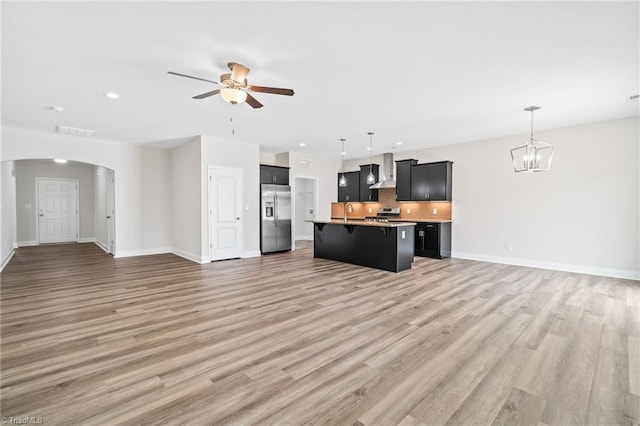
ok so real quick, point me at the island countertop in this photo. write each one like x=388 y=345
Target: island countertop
x=412 y=220
x=357 y=222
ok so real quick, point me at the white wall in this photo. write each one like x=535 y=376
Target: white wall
x=26 y=196
x=268 y=158
x=222 y=153
x=127 y=160
x=156 y=224
x=582 y=215
x=7 y=211
x=186 y=205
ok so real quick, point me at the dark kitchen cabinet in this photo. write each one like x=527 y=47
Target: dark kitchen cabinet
x=351 y=192
x=431 y=181
x=403 y=179
x=367 y=194
x=274 y=174
x=433 y=239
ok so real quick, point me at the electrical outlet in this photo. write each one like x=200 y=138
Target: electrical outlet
x=408 y=211
x=435 y=211
x=369 y=209
x=509 y=246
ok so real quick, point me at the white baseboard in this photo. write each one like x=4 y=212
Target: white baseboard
x=102 y=245
x=304 y=238
x=87 y=240
x=189 y=256
x=252 y=253
x=7 y=259
x=580 y=269
x=142 y=252
x=27 y=243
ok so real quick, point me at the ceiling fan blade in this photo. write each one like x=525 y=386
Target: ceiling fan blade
x=273 y=90
x=253 y=102
x=206 y=95
x=238 y=72
x=195 y=78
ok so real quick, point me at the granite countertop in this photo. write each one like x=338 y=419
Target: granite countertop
x=413 y=220
x=356 y=222
x=422 y=219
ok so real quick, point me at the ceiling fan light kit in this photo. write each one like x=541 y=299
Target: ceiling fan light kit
x=533 y=156
x=233 y=96
x=235 y=88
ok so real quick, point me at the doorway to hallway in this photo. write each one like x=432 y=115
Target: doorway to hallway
x=306 y=206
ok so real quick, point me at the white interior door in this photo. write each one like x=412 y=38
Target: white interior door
x=57 y=210
x=225 y=213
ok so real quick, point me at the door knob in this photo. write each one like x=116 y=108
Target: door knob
x=238 y=218
x=108 y=217
x=41 y=215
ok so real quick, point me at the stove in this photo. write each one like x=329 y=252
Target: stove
x=384 y=214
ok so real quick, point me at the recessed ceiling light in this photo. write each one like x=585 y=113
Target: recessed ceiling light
x=112 y=95
x=57 y=108
x=303 y=144
x=343 y=153
x=60 y=160
x=398 y=143
x=368 y=148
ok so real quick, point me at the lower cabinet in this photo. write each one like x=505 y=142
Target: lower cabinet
x=433 y=239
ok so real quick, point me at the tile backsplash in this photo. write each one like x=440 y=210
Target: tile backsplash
x=408 y=209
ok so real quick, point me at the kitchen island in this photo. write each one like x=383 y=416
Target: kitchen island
x=381 y=245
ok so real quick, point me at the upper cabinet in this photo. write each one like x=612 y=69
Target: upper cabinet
x=367 y=194
x=431 y=181
x=403 y=179
x=351 y=192
x=274 y=174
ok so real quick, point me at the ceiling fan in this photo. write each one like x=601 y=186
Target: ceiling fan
x=234 y=87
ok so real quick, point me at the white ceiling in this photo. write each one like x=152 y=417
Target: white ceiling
x=423 y=73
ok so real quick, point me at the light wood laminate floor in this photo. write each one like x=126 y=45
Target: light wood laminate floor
x=287 y=339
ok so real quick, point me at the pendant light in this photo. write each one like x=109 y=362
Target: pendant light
x=371 y=179
x=533 y=156
x=343 y=179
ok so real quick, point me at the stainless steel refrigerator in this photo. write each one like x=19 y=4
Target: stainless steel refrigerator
x=275 y=228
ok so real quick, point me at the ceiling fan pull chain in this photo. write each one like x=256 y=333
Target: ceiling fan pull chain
x=233 y=130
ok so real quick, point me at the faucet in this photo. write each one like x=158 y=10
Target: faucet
x=347 y=207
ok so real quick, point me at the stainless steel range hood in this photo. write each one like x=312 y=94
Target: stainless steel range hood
x=386 y=173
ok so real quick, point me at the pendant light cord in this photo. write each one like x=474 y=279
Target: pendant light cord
x=343 y=141
x=370 y=152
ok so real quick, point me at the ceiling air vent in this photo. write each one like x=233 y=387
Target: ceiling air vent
x=74 y=131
